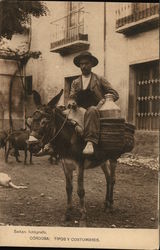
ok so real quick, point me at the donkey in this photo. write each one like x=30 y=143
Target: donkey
x=51 y=125
x=16 y=141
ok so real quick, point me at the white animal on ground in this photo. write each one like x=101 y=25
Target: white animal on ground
x=6 y=181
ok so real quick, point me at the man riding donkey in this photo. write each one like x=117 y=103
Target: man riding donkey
x=88 y=91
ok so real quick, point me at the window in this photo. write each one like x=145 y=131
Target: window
x=72 y=17
x=67 y=88
x=28 y=85
x=147 y=96
x=70 y=33
x=75 y=14
x=75 y=21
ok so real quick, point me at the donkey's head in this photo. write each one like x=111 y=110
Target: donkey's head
x=43 y=118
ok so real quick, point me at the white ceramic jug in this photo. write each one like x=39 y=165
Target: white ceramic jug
x=109 y=109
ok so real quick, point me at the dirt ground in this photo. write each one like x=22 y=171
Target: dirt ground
x=44 y=202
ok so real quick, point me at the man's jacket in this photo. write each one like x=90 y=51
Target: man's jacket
x=99 y=85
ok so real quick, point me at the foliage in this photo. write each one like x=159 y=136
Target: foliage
x=21 y=56
x=15 y=15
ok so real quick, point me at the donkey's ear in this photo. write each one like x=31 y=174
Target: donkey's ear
x=36 y=98
x=52 y=103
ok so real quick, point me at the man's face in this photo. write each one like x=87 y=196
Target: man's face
x=85 y=66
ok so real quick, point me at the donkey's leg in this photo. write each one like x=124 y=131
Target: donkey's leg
x=109 y=170
x=6 y=155
x=68 y=171
x=16 y=154
x=30 y=158
x=81 y=194
x=7 y=149
x=25 y=156
x=113 y=164
x=106 y=169
x=50 y=159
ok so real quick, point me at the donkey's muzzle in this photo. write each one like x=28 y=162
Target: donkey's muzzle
x=32 y=140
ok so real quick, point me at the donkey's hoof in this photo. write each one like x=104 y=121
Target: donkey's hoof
x=63 y=218
x=108 y=207
x=108 y=210
x=68 y=216
x=82 y=223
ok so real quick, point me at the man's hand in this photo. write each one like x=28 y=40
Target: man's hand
x=99 y=105
x=72 y=104
x=47 y=146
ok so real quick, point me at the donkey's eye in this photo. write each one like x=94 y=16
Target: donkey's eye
x=36 y=115
x=44 y=122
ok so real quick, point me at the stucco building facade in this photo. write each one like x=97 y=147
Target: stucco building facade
x=125 y=39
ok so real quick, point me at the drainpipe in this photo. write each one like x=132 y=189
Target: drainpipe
x=105 y=39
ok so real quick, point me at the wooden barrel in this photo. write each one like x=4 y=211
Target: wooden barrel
x=116 y=136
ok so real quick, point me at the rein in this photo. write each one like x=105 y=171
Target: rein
x=58 y=132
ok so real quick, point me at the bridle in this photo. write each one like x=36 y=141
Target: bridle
x=58 y=132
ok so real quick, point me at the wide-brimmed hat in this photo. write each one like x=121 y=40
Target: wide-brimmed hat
x=86 y=54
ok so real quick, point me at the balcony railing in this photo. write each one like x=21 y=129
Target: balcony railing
x=70 y=33
x=131 y=16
